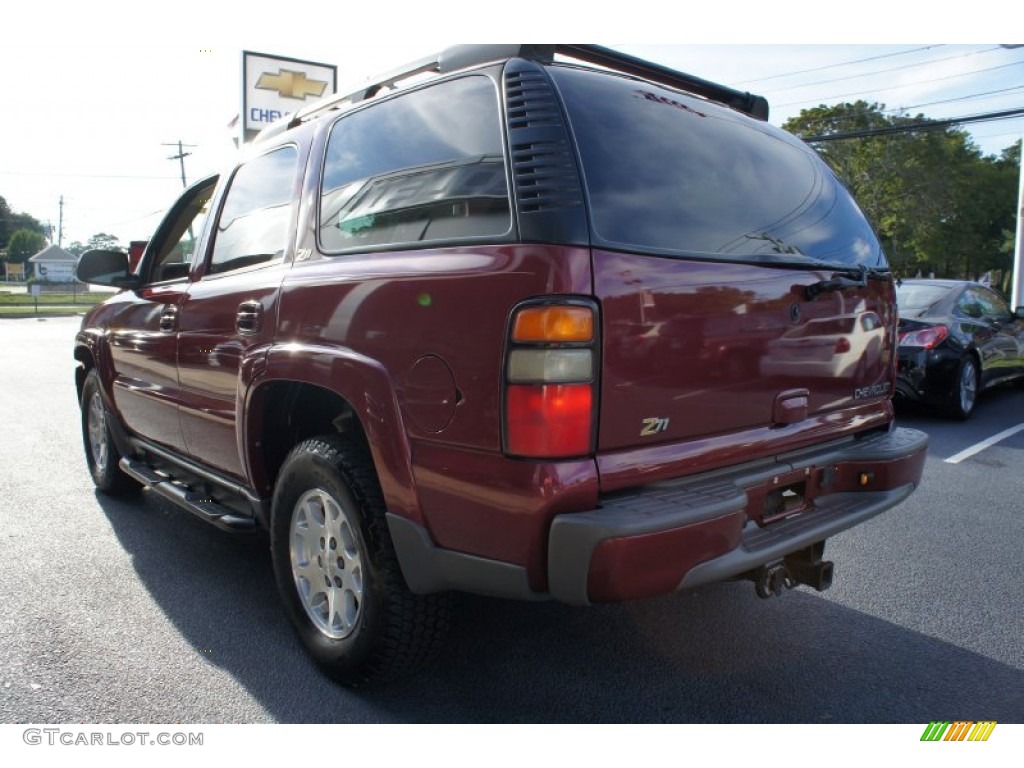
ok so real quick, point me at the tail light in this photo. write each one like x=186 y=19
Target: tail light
x=842 y=345
x=550 y=381
x=925 y=337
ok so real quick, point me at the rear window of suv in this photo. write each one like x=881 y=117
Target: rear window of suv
x=672 y=174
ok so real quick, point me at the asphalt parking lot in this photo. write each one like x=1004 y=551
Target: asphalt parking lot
x=132 y=611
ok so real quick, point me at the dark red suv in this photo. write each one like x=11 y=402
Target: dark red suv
x=510 y=330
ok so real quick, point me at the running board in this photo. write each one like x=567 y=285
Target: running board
x=198 y=504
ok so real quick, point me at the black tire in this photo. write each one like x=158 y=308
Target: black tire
x=101 y=454
x=964 y=396
x=362 y=624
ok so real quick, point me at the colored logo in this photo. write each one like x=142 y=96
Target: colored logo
x=291 y=85
x=958 y=731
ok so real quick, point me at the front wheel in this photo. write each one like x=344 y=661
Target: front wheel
x=965 y=389
x=337 y=571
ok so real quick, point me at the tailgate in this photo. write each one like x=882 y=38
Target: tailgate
x=695 y=349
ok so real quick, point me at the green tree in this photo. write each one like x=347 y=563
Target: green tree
x=937 y=204
x=5 y=223
x=23 y=245
x=103 y=242
x=11 y=222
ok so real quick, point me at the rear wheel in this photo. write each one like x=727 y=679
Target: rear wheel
x=965 y=389
x=337 y=571
x=101 y=454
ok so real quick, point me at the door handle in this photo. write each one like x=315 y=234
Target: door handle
x=169 y=318
x=249 y=319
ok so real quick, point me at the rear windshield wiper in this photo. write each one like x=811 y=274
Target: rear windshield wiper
x=846 y=278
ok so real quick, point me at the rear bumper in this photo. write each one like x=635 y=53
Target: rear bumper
x=926 y=376
x=696 y=530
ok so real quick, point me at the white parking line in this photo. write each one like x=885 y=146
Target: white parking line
x=979 y=447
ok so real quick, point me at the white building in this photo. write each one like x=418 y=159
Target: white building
x=55 y=264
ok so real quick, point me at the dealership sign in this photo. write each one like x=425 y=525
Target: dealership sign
x=274 y=86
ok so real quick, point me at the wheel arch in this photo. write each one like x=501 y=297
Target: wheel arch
x=304 y=391
x=86 y=362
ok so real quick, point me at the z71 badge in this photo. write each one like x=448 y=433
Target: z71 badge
x=653 y=426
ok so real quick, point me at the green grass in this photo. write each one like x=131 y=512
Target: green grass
x=23 y=300
x=28 y=311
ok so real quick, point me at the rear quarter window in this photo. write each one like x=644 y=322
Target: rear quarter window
x=670 y=173
x=425 y=166
x=910 y=297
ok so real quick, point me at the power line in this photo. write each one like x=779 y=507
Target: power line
x=929 y=125
x=841 y=64
x=956 y=98
x=930 y=62
x=82 y=175
x=901 y=85
x=899 y=111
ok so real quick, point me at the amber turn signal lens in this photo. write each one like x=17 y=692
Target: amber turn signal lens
x=556 y=323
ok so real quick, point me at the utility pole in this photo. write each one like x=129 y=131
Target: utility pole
x=60 y=224
x=1017 y=299
x=182 y=154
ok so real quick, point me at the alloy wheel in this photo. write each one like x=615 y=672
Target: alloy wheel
x=97 y=428
x=968 y=386
x=327 y=563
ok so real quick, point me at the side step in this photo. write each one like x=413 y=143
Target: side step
x=199 y=505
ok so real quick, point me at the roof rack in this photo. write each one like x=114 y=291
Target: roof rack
x=748 y=103
x=462 y=56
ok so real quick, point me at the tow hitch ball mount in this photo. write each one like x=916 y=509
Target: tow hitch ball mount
x=804 y=566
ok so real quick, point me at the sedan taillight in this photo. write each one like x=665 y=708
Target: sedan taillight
x=924 y=337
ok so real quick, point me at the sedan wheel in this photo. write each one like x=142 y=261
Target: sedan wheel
x=965 y=389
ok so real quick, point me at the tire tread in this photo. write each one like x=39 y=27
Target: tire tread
x=412 y=627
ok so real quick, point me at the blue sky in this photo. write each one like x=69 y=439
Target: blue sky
x=99 y=90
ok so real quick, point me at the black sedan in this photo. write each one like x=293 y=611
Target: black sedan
x=956 y=339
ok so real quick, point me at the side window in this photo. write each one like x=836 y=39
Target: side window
x=969 y=304
x=422 y=166
x=994 y=304
x=254 y=222
x=176 y=243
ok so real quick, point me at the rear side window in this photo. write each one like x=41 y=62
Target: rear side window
x=253 y=225
x=426 y=166
x=910 y=296
x=673 y=174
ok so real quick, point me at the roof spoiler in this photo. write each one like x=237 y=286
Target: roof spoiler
x=462 y=56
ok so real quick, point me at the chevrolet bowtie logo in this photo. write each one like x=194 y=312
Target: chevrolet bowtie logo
x=291 y=85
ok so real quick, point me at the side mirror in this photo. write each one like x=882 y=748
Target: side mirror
x=106 y=268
